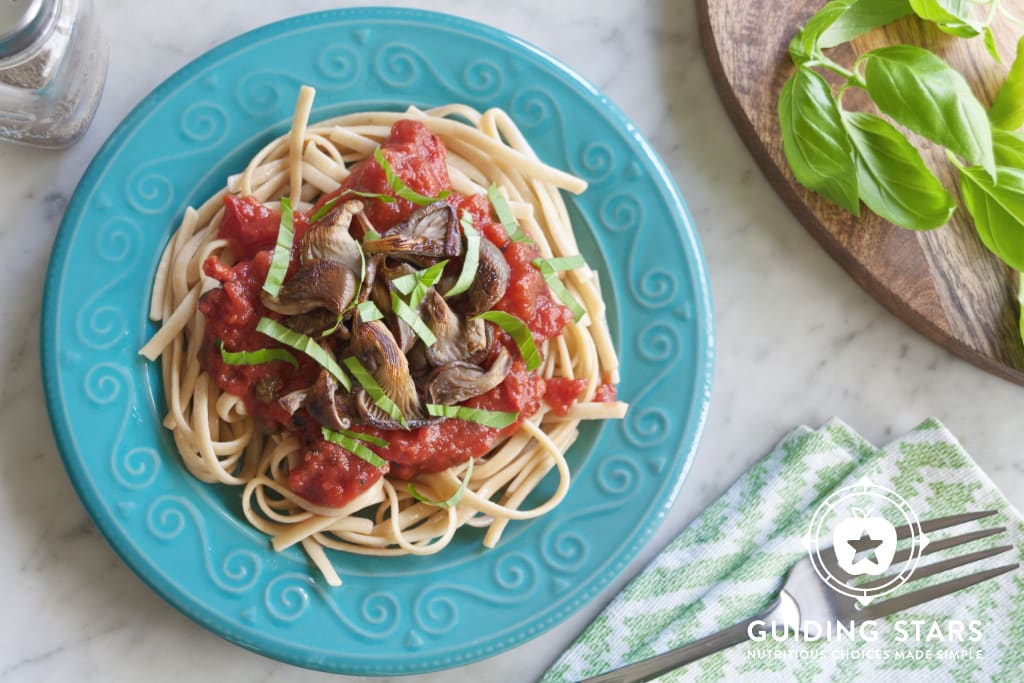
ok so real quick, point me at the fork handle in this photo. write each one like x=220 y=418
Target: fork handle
x=647 y=669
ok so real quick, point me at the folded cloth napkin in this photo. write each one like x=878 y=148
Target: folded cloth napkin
x=730 y=563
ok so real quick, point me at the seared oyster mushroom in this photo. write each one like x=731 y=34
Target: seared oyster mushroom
x=457 y=381
x=431 y=231
x=315 y=284
x=321 y=403
x=376 y=348
x=491 y=281
x=316 y=322
x=456 y=340
x=330 y=240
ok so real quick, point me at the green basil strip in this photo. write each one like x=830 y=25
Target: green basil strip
x=550 y=274
x=455 y=497
x=415 y=285
x=257 y=357
x=489 y=418
x=368 y=438
x=369 y=312
x=472 y=259
x=324 y=210
x=519 y=332
x=412 y=319
x=301 y=342
x=504 y=213
x=560 y=263
x=282 y=250
x=368 y=383
x=353 y=446
x=398 y=186
x=370 y=236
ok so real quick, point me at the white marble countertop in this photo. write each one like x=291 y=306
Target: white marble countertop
x=797 y=340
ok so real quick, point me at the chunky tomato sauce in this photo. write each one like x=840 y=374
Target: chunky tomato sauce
x=328 y=475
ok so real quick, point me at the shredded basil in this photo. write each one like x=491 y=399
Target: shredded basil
x=282 y=250
x=368 y=383
x=415 y=285
x=488 y=418
x=412 y=319
x=472 y=259
x=519 y=332
x=353 y=446
x=257 y=357
x=549 y=269
x=369 y=312
x=504 y=213
x=368 y=438
x=454 y=499
x=301 y=342
x=399 y=187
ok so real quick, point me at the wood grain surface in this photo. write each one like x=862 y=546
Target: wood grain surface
x=943 y=282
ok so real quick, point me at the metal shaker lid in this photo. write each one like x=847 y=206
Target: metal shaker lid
x=22 y=23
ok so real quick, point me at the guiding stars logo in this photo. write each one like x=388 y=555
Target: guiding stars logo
x=851 y=536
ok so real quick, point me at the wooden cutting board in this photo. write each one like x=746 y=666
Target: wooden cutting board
x=943 y=283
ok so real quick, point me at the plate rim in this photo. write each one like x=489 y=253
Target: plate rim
x=97 y=508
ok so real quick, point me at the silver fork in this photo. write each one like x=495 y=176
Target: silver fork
x=805 y=598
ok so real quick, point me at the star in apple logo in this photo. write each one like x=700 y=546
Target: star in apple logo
x=875 y=537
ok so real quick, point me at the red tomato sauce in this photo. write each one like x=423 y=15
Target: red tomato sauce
x=562 y=392
x=328 y=475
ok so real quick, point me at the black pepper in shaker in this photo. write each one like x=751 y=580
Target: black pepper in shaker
x=53 y=62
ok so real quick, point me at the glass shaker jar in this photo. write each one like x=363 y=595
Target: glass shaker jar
x=53 y=61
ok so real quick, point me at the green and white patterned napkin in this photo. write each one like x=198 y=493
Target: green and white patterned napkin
x=729 y=564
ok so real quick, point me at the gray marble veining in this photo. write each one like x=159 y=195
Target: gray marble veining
x=797 y=340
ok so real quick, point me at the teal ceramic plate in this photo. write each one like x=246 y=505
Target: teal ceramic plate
x=188 y=540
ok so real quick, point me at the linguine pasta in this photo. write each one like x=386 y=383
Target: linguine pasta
x=219 y=442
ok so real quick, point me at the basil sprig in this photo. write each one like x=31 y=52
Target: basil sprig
x=851 y=157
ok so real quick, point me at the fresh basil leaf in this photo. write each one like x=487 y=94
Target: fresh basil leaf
x=819 y=23
x=951 y=16
x=257 y=357
x=796 y=49
x=519 y=332
x=815 y=141
x=990 y=45
x=488 y=418
x=367 y=382
x=920 y=91
x=894 y=181
x=282 y=250
x=997 y=208
x=412 y=319
x=1008 y=109
x=471 y=259
x=863 y=16
x=1008 y=147
x=504 y=214
x=353 y=446
x=454 y=499
x=1020 y=302
x=301 y=342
